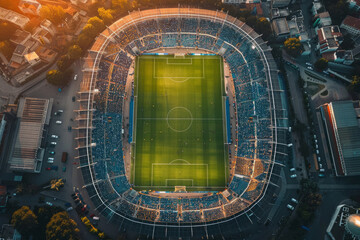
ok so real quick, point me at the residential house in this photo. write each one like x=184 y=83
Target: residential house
x=30 y=6
x=351 y=25
x=329 y=38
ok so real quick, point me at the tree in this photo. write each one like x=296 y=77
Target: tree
x=97 y=23
x=84 y=41
x=321 y=64
x=7 y=30
x=44 y=214
x=56 y=14
x=61 y=227
x=6 y=49
x=120 y=4
x=24 y=221
x=347 y=43
x=106 y=15
x=74 y=52
x=355 y=84
x=55 y=77
x=293 y=47
x=64 y=62
x=89 y=30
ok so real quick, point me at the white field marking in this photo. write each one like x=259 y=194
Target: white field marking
x=154 y=73
x=221 y=63
x=197 y=119
x=185 y=129
x=174 y=164
x=167 y=61
x=182 y=179
x=135 y=112
x=180 y=160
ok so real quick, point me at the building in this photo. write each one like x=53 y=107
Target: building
x=279 y=12
x=3 y=196
x=32 y=58
x=240 y=1
x=281 y=28
x=29 y=147
x=345 y=223
x=351 y=25
x=280 y=3
x=317 y=8
x=330 y=39
x=30 y=7
x=323 y=20
x=8 y=232
x=354 y=4
x=341 y=123
x=13 y=17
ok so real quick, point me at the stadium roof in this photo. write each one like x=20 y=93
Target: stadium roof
x=346 y=132
x=33 y=114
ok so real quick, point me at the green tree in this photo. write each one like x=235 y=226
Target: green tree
x=347 y=43
x=84 y=41
x=74 y=52
x=61 y=227
x=55 y=77
x=44 y=214
x=97 y=23
x=64 y=62
x=24 y=221
x=56 y=14
x=293 y=47
x=89 y=30
x=355 y=84
x=321 y=64
x=106 y=15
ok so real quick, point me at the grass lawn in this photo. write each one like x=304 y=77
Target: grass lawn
x=179 y=123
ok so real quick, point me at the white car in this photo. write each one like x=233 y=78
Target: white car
x=54 y=136
x=292 y=169
x=49 y=203
x=310 y=68
x=293 y=176
x=50 y=161
x=53 y=143
x=290 y=207
x=75 y=77
x=60 y=111
x=294 y=200
x=58 y=122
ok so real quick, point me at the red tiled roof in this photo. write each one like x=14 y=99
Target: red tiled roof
x=352 y=22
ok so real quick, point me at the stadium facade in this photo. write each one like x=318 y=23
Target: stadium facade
x=261 y=124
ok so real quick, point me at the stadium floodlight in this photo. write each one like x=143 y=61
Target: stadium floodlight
x=253 y=47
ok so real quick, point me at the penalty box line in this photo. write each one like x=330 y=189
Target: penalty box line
x=203 y=69
x=180 y=164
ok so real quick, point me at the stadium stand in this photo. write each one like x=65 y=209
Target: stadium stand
x=100 y=149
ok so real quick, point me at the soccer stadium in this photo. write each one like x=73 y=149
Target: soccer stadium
x=182 y=128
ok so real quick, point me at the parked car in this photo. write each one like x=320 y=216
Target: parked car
x=64 y=169
x=54 y=136
x=292 y=169
x=75 y=77
x=53 y=143
x=321 y=175
x=54 y=168
x=48 y=168
x=58 y=122
x=60 y=111
x=290 y=207
x=69 y=209
x=293 y=176
x=294 y=200
x=67 y=205
x=49 y=203
x=73 y=99
x=51 y=152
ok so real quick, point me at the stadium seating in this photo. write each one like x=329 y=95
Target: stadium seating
x=252 y=107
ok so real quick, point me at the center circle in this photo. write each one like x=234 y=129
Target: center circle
x=179 y=119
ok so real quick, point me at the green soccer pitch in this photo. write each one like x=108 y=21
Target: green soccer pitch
x=179 y=123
